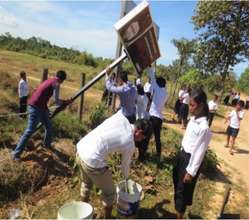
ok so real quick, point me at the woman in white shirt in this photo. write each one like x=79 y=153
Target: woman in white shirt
x=23 y=92
x=234 y=119
x=213 y=106
x=179 y=102
x=184 y=108
x=142 y=103
x=194 y=146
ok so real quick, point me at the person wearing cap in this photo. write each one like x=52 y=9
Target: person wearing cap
x=126 y=92
x=115 y=134
x=38 y=111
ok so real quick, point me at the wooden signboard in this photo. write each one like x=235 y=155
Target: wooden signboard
x=137 y=33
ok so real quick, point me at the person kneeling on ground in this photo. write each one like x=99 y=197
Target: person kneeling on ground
x=115 y=134
x=194 y=146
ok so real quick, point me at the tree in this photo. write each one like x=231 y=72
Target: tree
x=223 y=35
x=243 y=83
x=192 y=78
x=185 y=49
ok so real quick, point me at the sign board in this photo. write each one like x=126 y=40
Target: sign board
x=137 y=33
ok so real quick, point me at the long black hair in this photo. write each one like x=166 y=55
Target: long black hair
x=200 y=97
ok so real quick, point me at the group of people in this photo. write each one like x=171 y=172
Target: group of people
x=140 y=115
x=181 y=108
x=234 y=96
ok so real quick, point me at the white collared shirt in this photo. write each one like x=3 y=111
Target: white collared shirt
x=23 y=89
x=141 y=107
x=147 y=87
x=212 y=105
x=180 y=93
x=234 y=121
x=115 y=134
x=185 y=98
x=195 y=142
x=159 y=96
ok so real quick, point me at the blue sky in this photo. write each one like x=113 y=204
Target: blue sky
x=89 y=25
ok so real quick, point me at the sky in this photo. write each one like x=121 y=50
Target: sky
x=89 y=25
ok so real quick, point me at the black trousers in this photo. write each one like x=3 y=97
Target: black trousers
x=156 y=129
x=23 y=105
x=184 y=113
x=183 y=191
x=210 y=118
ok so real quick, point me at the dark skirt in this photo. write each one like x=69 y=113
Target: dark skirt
x=183 y=191
x=177 y=106
x=184 y=111
x=232 y=131
x=226 y=100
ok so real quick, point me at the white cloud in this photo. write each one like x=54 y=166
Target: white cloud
x=37 y=6
x=6 y=18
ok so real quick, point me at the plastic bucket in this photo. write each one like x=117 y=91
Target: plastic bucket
x=75 y=210
x=128 y=202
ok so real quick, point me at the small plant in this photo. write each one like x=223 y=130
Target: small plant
x=67 y=126
x=97 y=116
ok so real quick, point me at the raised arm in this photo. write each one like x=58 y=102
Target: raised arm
x=126 y=161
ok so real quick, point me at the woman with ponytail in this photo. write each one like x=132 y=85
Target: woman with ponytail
x=194 y=146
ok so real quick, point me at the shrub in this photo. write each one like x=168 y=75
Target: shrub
x=97 y=116
x=67 y=126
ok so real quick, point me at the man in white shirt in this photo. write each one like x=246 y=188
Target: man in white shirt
x=23 y=92
x=159 y=99
x=115 y=134
x=212 y=106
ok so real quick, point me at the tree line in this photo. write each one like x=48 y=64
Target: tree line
x=44 y=49
x=222 y=41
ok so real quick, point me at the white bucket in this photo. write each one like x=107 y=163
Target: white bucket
x=75 y=210
x=128 y=203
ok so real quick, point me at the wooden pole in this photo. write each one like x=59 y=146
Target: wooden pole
x=81 y=101
x=44 y=75
x=118 y=52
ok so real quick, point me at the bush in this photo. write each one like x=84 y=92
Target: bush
x=67 y=126
x=97 y=116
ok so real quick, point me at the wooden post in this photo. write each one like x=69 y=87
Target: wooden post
x=44 y=75
x=81 y=102
x=118 y=52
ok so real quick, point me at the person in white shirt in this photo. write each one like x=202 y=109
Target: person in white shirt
x=23 y=91
x=213 y=107
x=115 y=134
x=179 y=102
x=184 y=108
x=234 y=119
x=142 y=103
x=194 y=146
x=159 y=99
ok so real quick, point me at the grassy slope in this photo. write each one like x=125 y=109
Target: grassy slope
x=157 y=184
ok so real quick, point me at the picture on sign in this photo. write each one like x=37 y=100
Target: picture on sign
x=137 y=33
